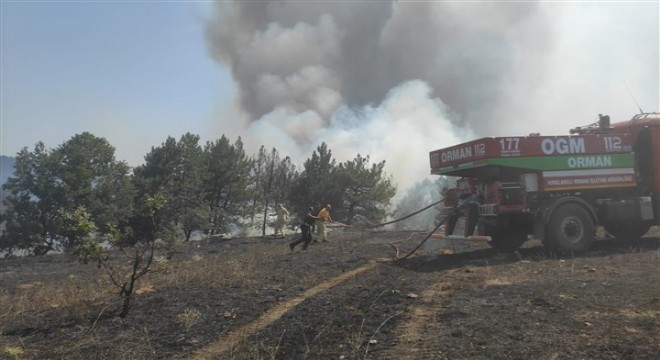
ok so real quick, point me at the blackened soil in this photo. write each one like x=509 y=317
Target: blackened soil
x=452 y=302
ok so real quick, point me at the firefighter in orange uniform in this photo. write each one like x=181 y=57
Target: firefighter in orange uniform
x=323 y=218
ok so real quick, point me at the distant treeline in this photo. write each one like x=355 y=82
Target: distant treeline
x=57 y=199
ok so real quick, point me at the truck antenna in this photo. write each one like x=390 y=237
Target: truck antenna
x=633 y=97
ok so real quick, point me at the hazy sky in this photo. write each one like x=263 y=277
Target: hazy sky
x=132 y=72
x=393 y=80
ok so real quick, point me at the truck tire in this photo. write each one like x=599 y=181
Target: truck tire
x=628 y=231
x=570 y=229
x=505 y=239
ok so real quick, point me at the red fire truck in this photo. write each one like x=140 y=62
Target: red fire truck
x=556 y=188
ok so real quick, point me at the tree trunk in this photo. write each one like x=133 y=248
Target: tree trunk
x=263 y=224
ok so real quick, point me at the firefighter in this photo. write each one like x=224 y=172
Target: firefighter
x=468 y=206
x=282 y=217
x=306 y=229
x=321 y=219
x=466 y=203
x=471 y=211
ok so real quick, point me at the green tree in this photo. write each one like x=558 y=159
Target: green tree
x=272 y=181
x=317 y=183
x=34 y=196
x=285 y=176
x=367 y=190
x=77 y=224
x=186 y=191
x=226 y=179
x=175 y=171
x=258 y=172
x=94 y=181
x=153 y=177
x=49 y=185
x=133 y=263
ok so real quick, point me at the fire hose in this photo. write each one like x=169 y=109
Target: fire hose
x=427 y=237
x=395 y=220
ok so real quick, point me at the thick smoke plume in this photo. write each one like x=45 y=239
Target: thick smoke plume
x=396 y=79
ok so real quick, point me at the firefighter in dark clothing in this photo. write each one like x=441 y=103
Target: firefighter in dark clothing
x=466 y=204
x=306 y=228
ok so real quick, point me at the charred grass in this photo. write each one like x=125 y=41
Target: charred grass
x=532 y=304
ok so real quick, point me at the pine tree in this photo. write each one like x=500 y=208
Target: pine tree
x=367 y=190
x=226 y=183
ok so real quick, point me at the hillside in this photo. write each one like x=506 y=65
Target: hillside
x=251 y=298
x=6 y=168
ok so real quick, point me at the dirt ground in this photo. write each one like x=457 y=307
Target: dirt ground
x=345 y=299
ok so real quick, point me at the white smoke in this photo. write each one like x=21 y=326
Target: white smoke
x=421 y=195
x=401 y=130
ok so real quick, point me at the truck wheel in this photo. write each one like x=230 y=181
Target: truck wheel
x=570 y=229
x=629 y=231
x=505 y=239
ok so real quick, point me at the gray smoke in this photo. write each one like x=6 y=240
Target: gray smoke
x=395 y=79
x=319 y=56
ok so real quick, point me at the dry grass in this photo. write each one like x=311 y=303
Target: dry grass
x=25 y=302
x=35 y=297
x=189 y=318
x=211 y=271
x=74 y=291
x=28 y=302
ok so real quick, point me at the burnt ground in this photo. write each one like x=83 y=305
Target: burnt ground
x=251 y=298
